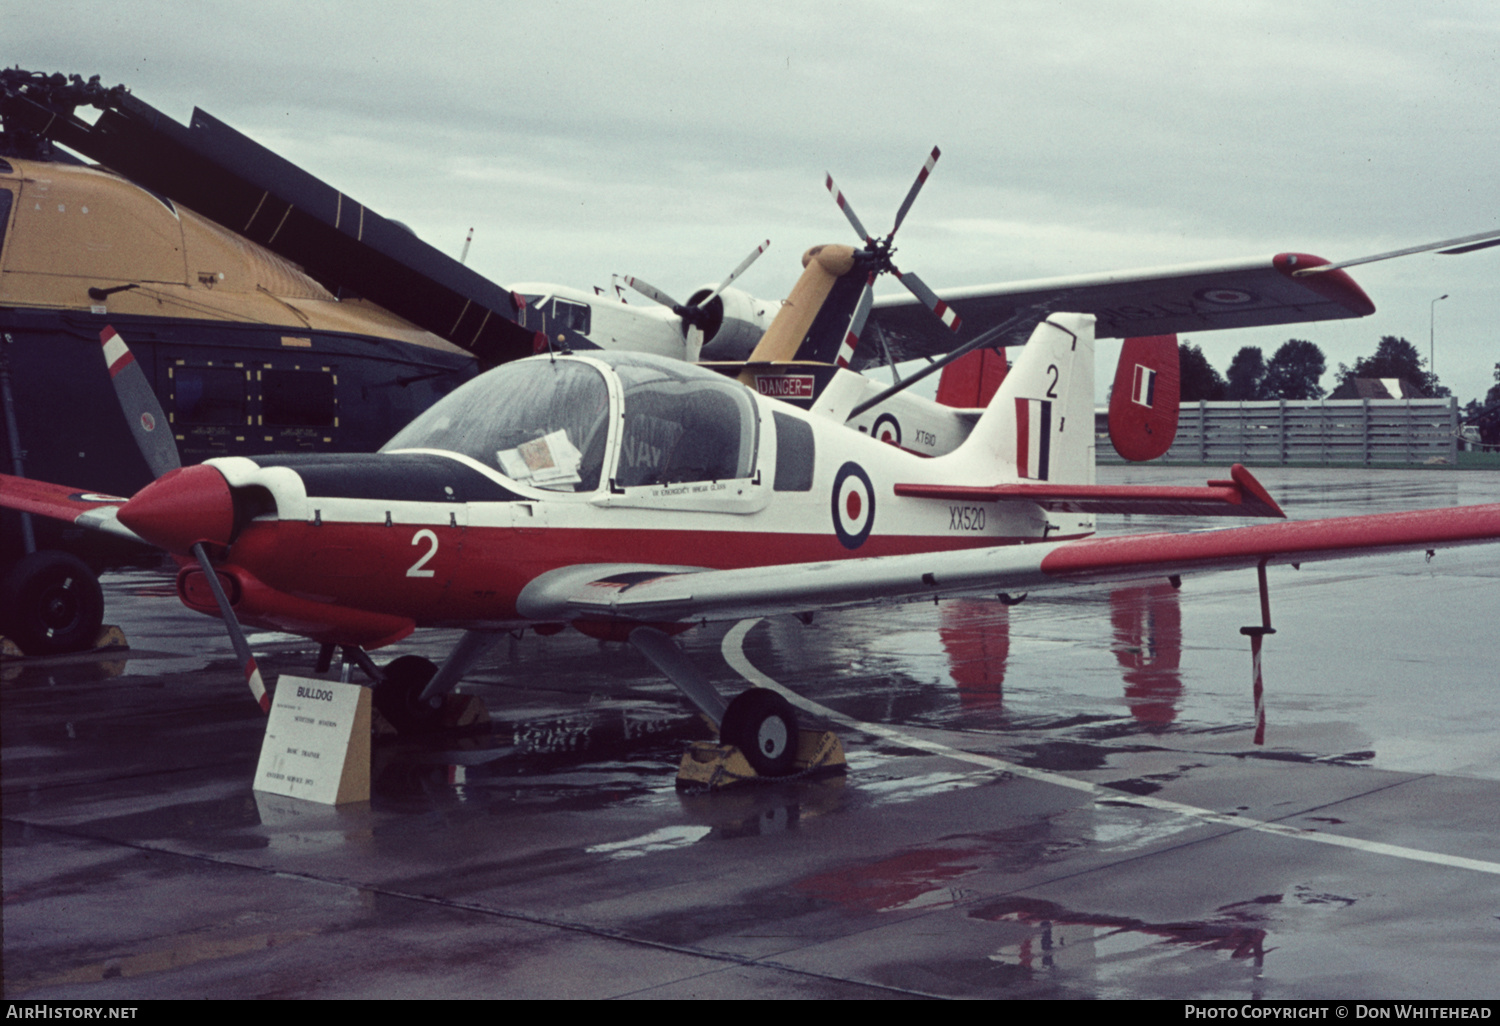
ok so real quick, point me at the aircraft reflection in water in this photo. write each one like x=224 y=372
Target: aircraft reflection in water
x=1147 y=625
x=976 y=635
x=1148 y=645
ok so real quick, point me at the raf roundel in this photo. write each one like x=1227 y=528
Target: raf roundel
x=887 y=429
x=1226 y=297
x=853 y=505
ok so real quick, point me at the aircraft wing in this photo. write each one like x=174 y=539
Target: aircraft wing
x=71 y=505
x=672 y=594
x=1129 y=304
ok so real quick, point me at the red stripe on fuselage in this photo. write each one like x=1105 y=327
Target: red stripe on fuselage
x=479 y=572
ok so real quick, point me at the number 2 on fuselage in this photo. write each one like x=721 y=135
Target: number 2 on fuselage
x=417 y=539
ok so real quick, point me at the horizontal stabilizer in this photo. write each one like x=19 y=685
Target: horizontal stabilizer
x=1240 y=496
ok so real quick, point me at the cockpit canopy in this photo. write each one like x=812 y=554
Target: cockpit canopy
x=546 y=422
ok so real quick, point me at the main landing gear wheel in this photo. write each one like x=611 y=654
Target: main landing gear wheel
x=397 y=695
x=51 y=602
x=762 y=725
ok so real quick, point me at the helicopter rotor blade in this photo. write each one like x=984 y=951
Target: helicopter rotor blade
x=911 y=196
x=929 y=299
x=848 y=210
x=857 y=322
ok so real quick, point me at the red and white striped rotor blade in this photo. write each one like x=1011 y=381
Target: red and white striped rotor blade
x=929 y=298
x=651 y=292
x=843 y=203
x=143 y=412
x=916 y=187
x=856 y=323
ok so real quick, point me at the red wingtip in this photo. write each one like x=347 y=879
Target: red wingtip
x=1335 y=286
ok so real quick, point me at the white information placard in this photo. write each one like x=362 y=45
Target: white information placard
x=317 y=744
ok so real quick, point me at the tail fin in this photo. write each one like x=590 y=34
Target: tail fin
x=1040 y=424
x=1143 y=403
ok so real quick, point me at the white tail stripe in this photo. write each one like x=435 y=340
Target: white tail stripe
x=1143 y=391
x=1033 y=438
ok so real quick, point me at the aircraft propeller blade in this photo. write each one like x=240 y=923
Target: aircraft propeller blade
x=694 y=345
x=652 y=292
x=148 y=422
x=848 y=211
x=744 y=264
x=153 y=434
x=236 y=633
x=929 y=298
x=694 y=315
x=916 y=188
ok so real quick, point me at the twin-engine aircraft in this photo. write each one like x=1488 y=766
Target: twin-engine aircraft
x=633 y=496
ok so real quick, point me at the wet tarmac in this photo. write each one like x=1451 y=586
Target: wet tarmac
x=1054 y=799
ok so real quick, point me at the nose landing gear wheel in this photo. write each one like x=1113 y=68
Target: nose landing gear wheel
x=762 y=725
x=396 y=696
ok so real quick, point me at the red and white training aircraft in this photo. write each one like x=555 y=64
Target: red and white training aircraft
x=633 y=496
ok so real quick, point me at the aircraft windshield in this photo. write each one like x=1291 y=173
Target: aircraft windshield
x=683 y=424
x=541 y=422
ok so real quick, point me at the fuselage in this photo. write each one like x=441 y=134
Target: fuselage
x=602 y=459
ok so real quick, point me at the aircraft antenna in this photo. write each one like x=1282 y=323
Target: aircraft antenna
x=464 y=256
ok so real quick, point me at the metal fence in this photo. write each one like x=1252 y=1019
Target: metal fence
x=1320 y=431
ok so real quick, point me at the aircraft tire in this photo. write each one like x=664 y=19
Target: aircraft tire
x=397 y=693
x=51 y=602
x=762 y=725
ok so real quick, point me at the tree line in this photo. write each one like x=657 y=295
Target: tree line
x=1295 y=369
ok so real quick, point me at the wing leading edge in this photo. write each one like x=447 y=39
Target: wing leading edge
x=59 y=502
x=664 y=594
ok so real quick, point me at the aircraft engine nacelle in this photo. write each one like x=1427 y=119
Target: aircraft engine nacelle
x=736 y=321
x=261 y=606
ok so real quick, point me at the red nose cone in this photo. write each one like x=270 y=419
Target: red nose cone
x=181 y=508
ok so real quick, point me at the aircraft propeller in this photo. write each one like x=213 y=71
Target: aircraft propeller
x=695 y=316
x=153 y=434
x=878 y=253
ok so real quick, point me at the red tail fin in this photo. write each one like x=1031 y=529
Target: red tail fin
x=1143 y=402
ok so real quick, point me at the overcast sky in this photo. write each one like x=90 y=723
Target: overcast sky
x=666 y=139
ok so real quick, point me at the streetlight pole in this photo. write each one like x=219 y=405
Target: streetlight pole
x=1431 y=326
